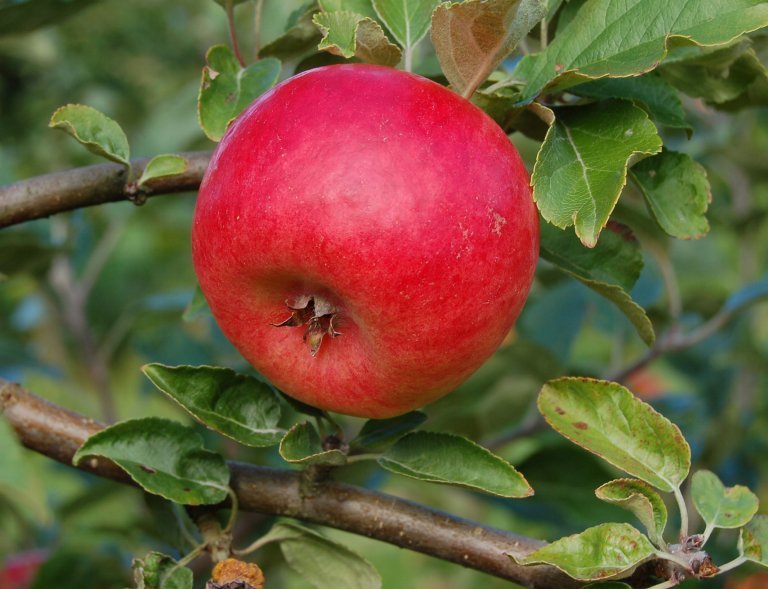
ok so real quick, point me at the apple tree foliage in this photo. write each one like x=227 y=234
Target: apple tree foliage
x=644 y=126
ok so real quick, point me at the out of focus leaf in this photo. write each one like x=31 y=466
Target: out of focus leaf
x=197 y=307
x=677 y=192
x=23 y=16
x=606 y=419
x=23 y=251
x=163 y=457
x=729 y=78
x=227 y=88
x=642 y=500
x=472 y=38
x=582 y=165
x=362 y=7
x=602 y=552
x=19 y=482
x=325 y=564
x=96 y=131
x=721 y=506
x=74 y=567
x=302 y=445
x=300 y=39
x=238 y=406
x=454 y=460
x=611 y=268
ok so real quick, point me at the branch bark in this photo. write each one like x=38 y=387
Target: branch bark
x=58 y=433
x=46 y=195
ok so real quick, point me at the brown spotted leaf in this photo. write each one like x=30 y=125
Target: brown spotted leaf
x=606 y=419
x=603 y=552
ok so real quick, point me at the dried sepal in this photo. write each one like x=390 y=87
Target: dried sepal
x=317 y=313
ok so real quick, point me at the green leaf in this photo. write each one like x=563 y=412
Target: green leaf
x=323 y=563
x=159 y=571
x=608 y=585
x=602 y=552
x=24 y=251
x=652 y=90
x=753 y=540
x=162 y=166
x=237 y=406
x=611 y=268
x=581 y=167
x=95 y=130
x=23 y=16
x=349 y=34
x=163 y=457
x=631 y=310
x=676 y=191
x=300 y=39
x=378 y=434
x=363 y=7
x=729 y=78
x=227 y=88
x=302 y=445
x=454 y=460
x=616 y=259
x=606 y=419
x=20 y=482
x=721 y=506
x=604 y=39
x=642 y=500
x=472 y=38
x=407 y=20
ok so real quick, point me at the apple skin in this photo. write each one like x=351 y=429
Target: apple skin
x=389 y=197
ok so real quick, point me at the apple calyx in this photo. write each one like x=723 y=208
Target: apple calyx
x=317 y=314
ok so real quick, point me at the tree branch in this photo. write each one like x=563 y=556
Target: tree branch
x=46 y=195
x=58 y=433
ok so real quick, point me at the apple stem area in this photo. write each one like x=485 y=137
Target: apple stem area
x=317 y=314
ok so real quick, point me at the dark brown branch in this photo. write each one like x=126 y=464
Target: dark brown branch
x=46 y=195
x=57 y=433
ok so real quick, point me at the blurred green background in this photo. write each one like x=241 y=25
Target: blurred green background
x=90 y=296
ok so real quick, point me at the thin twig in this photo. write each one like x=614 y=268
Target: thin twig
x=674 y=340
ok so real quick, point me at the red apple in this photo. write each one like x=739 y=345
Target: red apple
x=365 y=238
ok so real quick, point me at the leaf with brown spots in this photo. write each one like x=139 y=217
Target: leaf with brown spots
x=721 y=506
x=607 y=551
x=606 y=419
